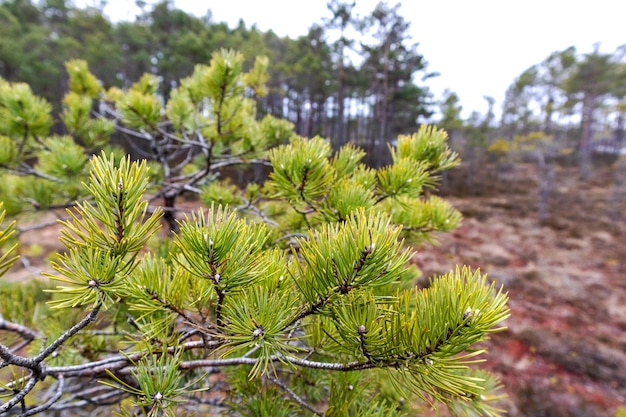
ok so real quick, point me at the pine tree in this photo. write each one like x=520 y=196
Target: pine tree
x=298 y=291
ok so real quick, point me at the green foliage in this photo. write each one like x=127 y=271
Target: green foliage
x=7 y=256
x=483 y=404
x=302 y=172
x=220 y=193
x=140 y=110
x=148 y=84
x=303 y=284
x=362 y=252
x=255 y=324
x=103 y=238
x=10 y=194
x=423 y=217
x=177 y=111
x=252 y=399
x=161 y=386
x=501 y=147
x=223 y=249
x=94 y=132
x=82 y=82
x=258 y=77
x=320 y=185
x=61 y=157
x=525 y=145
x=345 y=399
x=8 y=152
x=404 y=177
x=22 y=114
x=427 y=146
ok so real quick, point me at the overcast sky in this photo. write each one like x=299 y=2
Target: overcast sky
x=478 y=46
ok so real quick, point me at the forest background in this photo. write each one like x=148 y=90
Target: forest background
x=550 y=158
x=358 y=78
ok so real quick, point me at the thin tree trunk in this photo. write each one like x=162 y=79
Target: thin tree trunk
x=382 y=118
x=310 y=117
x=619 y=171
x=545 y=175
x=299 y=127
x=585 y=140
x=548 y=120
x=341 y=138
x=169 y=213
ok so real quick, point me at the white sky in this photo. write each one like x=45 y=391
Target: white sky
x=478 y=46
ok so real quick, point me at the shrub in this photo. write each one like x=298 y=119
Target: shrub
x=300 y=293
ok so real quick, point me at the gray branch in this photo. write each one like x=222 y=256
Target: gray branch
x=32 y=381
x=294 y=396
x=57 y=395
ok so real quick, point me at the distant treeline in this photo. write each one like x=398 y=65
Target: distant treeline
x=367 y=99
x=350 y=78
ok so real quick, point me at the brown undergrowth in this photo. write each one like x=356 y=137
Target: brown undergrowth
x=564 y=353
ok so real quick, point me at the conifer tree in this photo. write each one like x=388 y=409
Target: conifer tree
x=298 y=291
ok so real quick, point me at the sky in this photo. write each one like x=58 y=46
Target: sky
x=477 y=46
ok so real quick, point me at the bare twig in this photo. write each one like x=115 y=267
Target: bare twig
x=38 y=409
x=331 y=366
x=28 y=266
x=119 y=361
x=25 y=169
x=69 y=333
x=32 y=381
x=248 y=206
x=294 y=396
x=42 y=225
x=20 y=329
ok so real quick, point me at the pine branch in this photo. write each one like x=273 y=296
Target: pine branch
x=19 y=397
x=25 y=169
x=362 y=331
x=330 y=366
x=293 y=395
x=25 y=332
x=35 y=363
x=43 y=225
x=119 y=214
x=116 y=362
x=169 y=306
x=86 y=397
x=311 y=309
x=220 y=103
x=41 y=408
x=68 y=333
x=216 y=292
x=248 y=206
x=239 y=161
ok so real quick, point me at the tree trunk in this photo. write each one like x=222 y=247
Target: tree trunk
x=169 y=213
x=585 y=140
x=341 y=137
x=299 y=127
x=619 y=171
x=548 y=120
x=382 y=117
x=545 y=175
